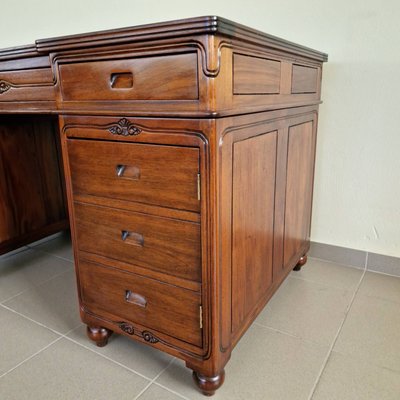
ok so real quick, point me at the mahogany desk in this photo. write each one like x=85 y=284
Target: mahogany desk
x=188 y=149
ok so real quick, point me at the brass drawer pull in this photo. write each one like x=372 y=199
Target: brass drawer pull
x=133 y=238
x=135 y=298
x=127 y=171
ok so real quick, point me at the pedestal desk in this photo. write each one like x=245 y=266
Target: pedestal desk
x=188 y=153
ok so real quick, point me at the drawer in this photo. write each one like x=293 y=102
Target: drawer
x=133 y=298
x=152 y=174
x=27 y=85
x=166 y=245
x=167 y=77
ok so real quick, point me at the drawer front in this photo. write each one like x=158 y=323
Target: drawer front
x=133 y=298
x=27 y=85
x=152 y=174
x=162 y=244
x=171 y=77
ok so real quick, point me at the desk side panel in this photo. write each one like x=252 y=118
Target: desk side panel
x=32 y=201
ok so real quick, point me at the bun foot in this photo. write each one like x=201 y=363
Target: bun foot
x=99 y=335
x=300 y=263
x=209 y=384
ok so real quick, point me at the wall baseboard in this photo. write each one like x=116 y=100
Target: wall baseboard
x=356 y=258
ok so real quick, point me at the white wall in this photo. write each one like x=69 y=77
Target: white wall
x=357 y=188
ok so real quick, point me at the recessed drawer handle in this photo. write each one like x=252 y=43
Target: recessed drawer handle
x=133 y=238
x=121 y=80
x=127 y=171
x=135 y=298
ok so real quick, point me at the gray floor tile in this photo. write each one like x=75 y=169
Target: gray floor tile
x=20 y=339
x=54 y=303
x=27 y=269
x=155 y=392
x=382 y=286
x=309 y=310
x=264 y=365
x=137 y=356
x=371 y=332
x=66 y=371
x=330 y=274
x=347 y=379
x=60 y=247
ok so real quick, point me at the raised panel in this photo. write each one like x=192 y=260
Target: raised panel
x=304 y=79
x=253 y=193
x=254 y=75
x=300 y=170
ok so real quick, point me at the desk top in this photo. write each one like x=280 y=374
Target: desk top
x=161 y=30
x=60 y=75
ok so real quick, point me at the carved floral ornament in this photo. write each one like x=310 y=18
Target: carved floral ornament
x=127 y=328
x=149 y=337
x=124 y=128
x=4 y=87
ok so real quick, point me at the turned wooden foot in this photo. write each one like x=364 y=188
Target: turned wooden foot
x=300 y=263
x=208 y=385
x=99 y=335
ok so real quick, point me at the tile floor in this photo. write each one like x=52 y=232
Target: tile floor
x=330 y=332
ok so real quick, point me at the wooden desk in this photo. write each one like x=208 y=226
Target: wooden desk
x=188 y=149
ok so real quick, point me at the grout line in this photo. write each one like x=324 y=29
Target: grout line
x=338 y=332
x=35 y=322
x=108 y=358
x=354 y=267
x=30 y=357
x=289 y=334
x=153 y=380
x=360 y=360
x=34 y=286
x=172 y=391
x=64 y=336
x=321 y=283
x=38 y=352
x=383 y=273
x=337 y=263
x=51 y=254
x=14 y=253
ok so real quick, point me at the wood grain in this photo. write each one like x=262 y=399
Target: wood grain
x=169 y=309
x=188 y=148
x=162 y=244
x=168 y=174
x=253 y=191
x=154 y=78
x=300 y=168
x=304 y=79
x=31 y=193
x=255 y=75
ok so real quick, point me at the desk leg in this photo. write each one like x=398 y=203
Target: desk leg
x=99 y=335
x=300 y=263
